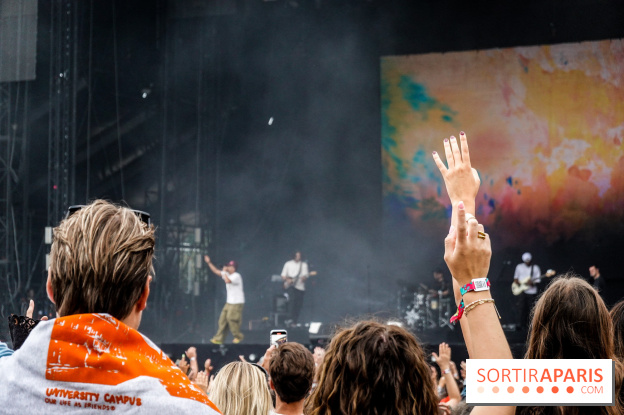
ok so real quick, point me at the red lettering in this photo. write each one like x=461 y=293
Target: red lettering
x=546 y=375
x=488 y=375
x=558 y=374
x=533 y=374
x=516 y=370
x=569 y=375
x=598 y=375
x=138 y=401
x=581 y=375
x=479 y=372
x=506 y=373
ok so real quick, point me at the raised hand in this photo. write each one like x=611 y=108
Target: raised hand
x=444 y=408
x=319 y=355
x=444 y=358
x=202 y=381
x=206 y=259
x=467 y=249
x=191 y=352
x=31 y=310
x=267 y=357
x=461 y=180
x=183 y=364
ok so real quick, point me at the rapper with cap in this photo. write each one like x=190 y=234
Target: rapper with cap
x=232 y=313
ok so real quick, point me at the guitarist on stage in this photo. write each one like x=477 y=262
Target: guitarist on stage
x=295 y=274
x=528 y=297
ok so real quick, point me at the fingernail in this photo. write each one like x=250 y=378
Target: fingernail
x=461 y=205
x=453 y=137
x=462 y=133
x=451 y=229
x=446 y=140
x=434 y=153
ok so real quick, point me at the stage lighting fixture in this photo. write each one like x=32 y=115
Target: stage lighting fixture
x=314 y=327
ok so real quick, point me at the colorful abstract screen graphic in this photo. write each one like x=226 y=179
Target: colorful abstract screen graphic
x=546 y=124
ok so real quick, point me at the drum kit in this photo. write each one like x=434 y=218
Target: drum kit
x=424 y=309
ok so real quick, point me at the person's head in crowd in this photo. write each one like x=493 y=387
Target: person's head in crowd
x=571 y=321
x=374 y=368
x=101 y=262
x=594 y=271
x=434 y=374
x=241 y=388
x=292 y=372
x=297 y=256
x=438 y=275
x=617 y=315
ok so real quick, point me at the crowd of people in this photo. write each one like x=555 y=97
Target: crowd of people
x=92 y=356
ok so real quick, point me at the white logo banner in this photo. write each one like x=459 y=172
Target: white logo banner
x=577 y=382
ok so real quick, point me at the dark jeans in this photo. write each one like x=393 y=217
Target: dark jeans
x=525 y=304
x=295 y=302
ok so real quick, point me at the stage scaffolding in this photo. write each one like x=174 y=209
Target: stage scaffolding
x=13 y=200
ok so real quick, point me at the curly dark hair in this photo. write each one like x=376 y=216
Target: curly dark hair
x=374 y=368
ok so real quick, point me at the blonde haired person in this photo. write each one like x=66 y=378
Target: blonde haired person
x=241 y=388
x=92 y=356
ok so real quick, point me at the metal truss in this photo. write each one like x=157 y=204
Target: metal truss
x=13 y=96
x=62 y=130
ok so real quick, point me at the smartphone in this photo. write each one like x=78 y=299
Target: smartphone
x=278 y=337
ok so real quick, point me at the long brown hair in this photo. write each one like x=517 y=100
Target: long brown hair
x=617 y=315
x=571 y=321
x=374 y=368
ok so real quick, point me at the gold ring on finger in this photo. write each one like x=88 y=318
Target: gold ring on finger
x=481 y=235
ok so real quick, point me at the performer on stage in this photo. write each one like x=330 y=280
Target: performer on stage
x=527 y=298
x=599 y=282
x=295 y=273
x=232 y=313
x=439 y=286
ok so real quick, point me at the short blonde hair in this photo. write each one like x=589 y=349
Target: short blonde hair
x=240 y=388
x=100 y=260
